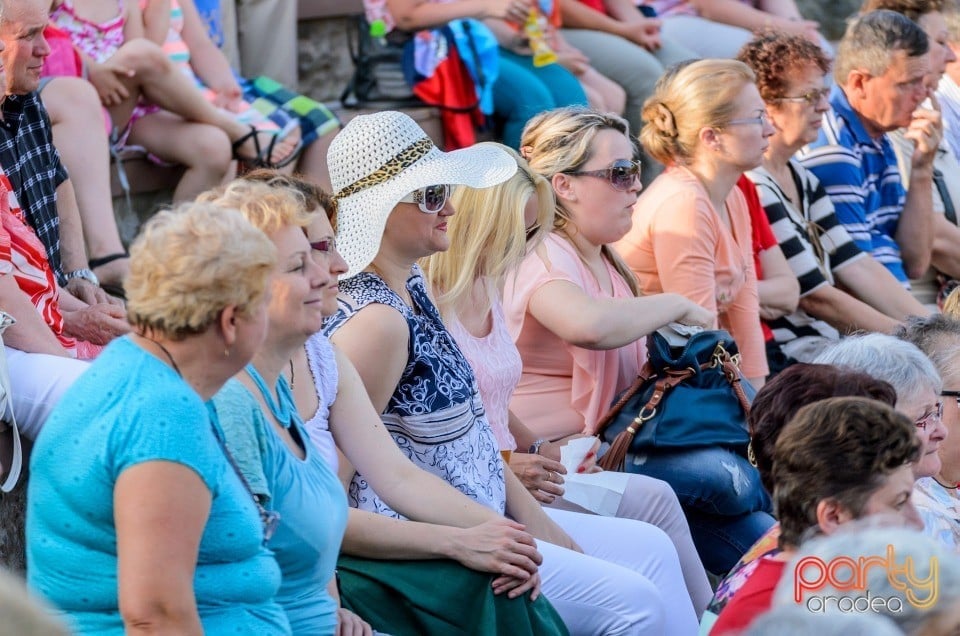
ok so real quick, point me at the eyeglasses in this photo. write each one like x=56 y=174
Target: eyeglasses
x=761 y=119
x=925 y=419
x=812 y=97
x=430 y=199
x=622 y=175
x=327 y=246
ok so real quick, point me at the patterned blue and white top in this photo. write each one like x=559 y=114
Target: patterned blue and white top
x=435 y=415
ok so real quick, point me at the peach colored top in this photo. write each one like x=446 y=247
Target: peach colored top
x=563 y=389
x=680 y=244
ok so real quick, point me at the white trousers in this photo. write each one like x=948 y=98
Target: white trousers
x=628 y=581
x=37 y=382
x=653 y=501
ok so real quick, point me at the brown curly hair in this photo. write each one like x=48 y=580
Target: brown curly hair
x=797 y=386
x=775 y=57
x=842 y=449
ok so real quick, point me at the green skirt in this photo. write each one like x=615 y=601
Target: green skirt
x=438 y=597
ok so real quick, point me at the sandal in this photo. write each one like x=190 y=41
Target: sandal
x=262 y=158
x=106 y=260
x=116 y=291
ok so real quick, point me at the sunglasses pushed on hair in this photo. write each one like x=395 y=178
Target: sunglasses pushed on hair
x=430 y=200
x=622 y=175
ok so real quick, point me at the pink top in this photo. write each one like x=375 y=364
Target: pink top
x=496 y=364
x=564 y=389
x=99 y=41
x=680 y=244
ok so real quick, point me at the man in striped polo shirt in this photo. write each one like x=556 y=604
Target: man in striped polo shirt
x=880 y=68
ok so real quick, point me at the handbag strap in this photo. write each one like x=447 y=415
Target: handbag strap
x=615 y=457
x=732 y=373
x=646 y=374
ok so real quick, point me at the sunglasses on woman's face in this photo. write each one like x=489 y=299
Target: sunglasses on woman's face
x=430 y=199
x=622 y=175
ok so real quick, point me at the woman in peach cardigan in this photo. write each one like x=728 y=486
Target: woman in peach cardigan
x=691 y=230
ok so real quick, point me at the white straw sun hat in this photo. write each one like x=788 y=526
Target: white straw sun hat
x=378 y=159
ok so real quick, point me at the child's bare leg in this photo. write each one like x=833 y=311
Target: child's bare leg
x=81 y=139
x=155 y=76
x=202 y=148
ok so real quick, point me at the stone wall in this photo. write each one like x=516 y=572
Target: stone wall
x=832 y=15
x=325 y=65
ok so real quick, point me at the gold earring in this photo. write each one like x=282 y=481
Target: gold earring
x=226 y=352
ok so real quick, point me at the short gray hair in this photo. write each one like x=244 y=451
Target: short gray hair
x=886 y=358
x=871 y=40
x=862 y=541
x=938 y=337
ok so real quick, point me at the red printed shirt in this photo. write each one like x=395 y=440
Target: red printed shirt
x=23 y=255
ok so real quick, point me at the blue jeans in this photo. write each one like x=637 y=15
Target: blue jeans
x=721 y=493
x=523 y=90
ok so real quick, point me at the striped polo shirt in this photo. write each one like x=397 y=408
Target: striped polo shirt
x=861 y=177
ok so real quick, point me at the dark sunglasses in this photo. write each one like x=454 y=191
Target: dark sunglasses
x=430 y=199
x=622 y=175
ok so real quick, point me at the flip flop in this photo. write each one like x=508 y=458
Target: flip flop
x=106 y=260
x=262 y=158
x=116 y=291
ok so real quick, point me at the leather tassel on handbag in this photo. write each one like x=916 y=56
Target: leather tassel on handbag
x=685 y=397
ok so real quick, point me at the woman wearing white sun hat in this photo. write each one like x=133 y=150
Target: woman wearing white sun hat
x=392 y=192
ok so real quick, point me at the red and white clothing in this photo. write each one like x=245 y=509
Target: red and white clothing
x=24 y=256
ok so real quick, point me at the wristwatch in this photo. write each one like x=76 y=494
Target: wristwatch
x=85 y=274
x=535 y=447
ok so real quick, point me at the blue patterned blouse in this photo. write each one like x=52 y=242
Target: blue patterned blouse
x=435 y=415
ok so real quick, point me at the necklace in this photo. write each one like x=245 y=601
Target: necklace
x=953 y=487
x=279 y=408
x=173 y=362
x=292 y=376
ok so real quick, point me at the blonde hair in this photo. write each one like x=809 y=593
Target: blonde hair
x=267 y=206
x=561 y=141
x=488 y=237
x=686 y=100
x=951 y=14
x=951 y=305
x=191 y=262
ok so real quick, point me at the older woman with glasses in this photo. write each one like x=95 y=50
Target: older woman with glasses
x=691 y=230
x=915 y=380
x=842 y=289
x=936 y=496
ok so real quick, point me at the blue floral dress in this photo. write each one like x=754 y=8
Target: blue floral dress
x=435 y=414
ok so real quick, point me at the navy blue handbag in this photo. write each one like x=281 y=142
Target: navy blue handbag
x=685 y=397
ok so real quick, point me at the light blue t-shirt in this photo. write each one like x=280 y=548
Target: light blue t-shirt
x=306 y=493
x=127 y=409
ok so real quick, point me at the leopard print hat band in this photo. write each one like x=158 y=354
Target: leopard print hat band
x=378 y=159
